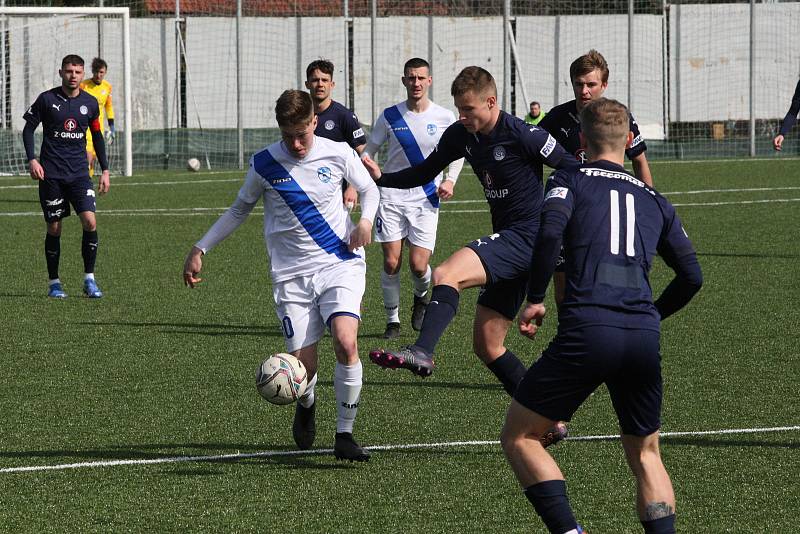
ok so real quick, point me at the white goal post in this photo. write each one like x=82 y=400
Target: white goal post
x=21 y=25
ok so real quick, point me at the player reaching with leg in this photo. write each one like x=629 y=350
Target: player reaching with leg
x=412 y=128
x=612 y=225
x=67 y=113
x=507 y=156
x=316 y=256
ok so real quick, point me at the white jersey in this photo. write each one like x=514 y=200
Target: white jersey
x=412 y=137
x=306 y=226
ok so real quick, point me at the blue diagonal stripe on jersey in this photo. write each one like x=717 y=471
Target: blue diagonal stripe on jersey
x=302 y=206
x=414 y=155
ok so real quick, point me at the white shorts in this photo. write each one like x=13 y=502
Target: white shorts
x=305 y=305
x=397 y=221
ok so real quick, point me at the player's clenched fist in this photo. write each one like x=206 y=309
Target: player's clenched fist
x=361 y=235
x=192 y=267
x=530 y=319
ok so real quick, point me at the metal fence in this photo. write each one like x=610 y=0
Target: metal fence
x=703 y=79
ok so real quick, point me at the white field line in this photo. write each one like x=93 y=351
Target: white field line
x=450 y=444
x=182 y=212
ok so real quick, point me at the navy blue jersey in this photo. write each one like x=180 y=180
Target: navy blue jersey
x=562 y=121
x=508 y=162
x=791 y=115
x=65 y=121
x=612 y=226
x=338 y=123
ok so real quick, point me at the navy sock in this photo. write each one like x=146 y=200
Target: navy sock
x=663 y=525
x=549 y=499
x=509 y=370
x=440 y=311
x=89 y=250
x=52 y=253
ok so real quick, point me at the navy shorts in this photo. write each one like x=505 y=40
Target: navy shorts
x=55 y=196
x=577 y=361
x=506 y=257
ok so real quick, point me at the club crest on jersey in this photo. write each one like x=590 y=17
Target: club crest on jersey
x=324 y=174
x=330 y=125
x=84 y=110
x=432 y=129
x=499 y=153
x=70 y=125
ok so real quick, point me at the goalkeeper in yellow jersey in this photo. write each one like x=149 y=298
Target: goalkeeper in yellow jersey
x=99 y=88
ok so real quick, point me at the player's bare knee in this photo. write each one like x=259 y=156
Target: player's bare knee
x=391 y=265
x=442 y=275
x=54 y=228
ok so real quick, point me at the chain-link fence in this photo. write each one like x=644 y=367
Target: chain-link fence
x=703 y=79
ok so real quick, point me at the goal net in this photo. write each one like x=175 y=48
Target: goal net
x=33 y=42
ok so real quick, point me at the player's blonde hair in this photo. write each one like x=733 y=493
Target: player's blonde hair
x=474 y=79
x=605 y=124
x=294 y=108
x=588 y=62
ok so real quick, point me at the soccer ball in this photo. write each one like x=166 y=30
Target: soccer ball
x=281 y=379
x=193 y=164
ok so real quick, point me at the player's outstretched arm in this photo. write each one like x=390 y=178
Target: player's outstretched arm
x=192 y=267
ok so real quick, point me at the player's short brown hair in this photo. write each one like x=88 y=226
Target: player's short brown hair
x=605 y=124
x=475 y=79
x=99 y=63
x=323 y=65
x=416 y=63
x=592 y=60
x=72 y=59
x=294 y=108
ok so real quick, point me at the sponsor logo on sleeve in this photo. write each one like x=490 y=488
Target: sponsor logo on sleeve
x=557 y=192
x=358 y=133
x=548 y=147
x=636 y=140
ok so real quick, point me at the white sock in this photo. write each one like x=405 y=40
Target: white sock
x=88 y=276
x=421 y=284
x=347 y=385
x=308 y=397
x=54 y=281
x=390 y=283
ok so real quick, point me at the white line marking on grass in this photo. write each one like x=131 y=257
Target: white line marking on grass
x=268 y=454
x=121 y=184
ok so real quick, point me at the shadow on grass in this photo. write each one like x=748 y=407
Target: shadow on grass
x=422 y=383
x=203 y=329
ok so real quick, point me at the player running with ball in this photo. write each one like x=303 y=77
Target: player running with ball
x=316 y=256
